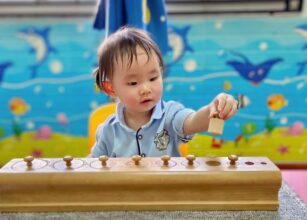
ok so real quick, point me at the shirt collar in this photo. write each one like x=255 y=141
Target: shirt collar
x=119 y=114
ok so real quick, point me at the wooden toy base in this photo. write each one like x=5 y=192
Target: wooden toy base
x=208 y=184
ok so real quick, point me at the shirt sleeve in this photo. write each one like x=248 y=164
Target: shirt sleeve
x=180 y=113
x=99 y=147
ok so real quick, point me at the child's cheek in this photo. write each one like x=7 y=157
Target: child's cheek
x=132 y=99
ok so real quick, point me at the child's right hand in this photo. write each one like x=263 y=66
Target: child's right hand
x=223 y=105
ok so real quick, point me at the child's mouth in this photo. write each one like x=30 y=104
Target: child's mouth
x=146 y=101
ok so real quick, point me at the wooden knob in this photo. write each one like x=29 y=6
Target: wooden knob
x=103 y=160
x=28 y=160
x=68 y=160
x=233 y=158
x=136 y=159
x=190 y=159
x=165 y=159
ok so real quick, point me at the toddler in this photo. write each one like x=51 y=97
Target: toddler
x=131 y=70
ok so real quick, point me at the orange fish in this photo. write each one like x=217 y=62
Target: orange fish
x=18 y=106
x=276 y=102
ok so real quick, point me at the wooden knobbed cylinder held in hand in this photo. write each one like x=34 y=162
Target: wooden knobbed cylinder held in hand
x=216 y=125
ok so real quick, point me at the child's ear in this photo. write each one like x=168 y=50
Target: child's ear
x=107 y=87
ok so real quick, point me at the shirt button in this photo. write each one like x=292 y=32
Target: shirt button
x=140 y=136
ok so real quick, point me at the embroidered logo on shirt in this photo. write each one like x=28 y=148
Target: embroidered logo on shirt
x=162 y=140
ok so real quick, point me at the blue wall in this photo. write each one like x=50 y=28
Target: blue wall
x=45 y=71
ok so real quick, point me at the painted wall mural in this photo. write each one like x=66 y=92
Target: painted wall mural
x=47 y=90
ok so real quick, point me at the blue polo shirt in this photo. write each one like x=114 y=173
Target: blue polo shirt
x=161 y=135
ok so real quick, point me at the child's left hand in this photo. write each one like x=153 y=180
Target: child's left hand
x=223 y=105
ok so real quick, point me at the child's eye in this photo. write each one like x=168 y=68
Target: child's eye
x=153 y=78
x=132 y=83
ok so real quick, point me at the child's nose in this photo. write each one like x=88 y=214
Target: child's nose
x=145 y=90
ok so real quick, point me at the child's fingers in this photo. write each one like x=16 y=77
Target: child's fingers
x=233 y=110
x=227 y=109
x=231 y=113
x=213 y=110
x=224 y=105
x=221 y=101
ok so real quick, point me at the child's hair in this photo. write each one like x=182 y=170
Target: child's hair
x=123 y=42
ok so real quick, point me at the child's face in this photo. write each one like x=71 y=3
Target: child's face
x=138 y=87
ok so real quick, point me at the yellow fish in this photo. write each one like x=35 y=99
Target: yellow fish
x=18 y=106
x=276 y=102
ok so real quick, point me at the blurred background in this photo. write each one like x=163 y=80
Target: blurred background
x=255 y=50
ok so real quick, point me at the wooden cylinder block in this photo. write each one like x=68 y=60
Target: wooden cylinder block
x=167 y=183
